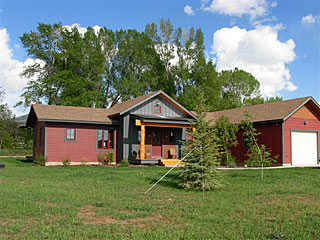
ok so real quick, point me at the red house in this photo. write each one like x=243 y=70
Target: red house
x=147 y=129
x=150 y=128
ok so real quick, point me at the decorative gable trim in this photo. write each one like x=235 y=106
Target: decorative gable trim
x=166 y=97
x=301 y=105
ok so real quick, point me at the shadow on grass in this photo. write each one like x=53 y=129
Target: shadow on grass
x=171 y=180
x=25 y=160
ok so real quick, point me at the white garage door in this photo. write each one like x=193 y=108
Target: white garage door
x=304 y=148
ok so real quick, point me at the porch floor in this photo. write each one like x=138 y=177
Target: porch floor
x=158 y=161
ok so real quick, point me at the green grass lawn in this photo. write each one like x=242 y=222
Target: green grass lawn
x=15 y=152
x=91 y=202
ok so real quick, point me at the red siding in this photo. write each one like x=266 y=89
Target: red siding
x=296 y=123
x=270 y=136
x=85 y=145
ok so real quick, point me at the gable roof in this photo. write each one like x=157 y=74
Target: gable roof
x=94 y=115
x=274 y=111
x=70 y=114
x=121 y=108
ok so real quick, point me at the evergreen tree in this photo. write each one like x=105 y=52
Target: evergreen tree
x=202 y=155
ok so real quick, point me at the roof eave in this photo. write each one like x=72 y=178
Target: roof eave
x=301 y=105
x=78 y=121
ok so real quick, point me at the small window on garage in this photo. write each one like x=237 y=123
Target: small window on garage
x=71 y=133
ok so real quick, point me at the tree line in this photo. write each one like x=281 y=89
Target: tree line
x=11 y=136
x=105 y=67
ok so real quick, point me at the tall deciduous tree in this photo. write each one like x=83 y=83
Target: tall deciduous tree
x=105 y=67
x=238 y=88
x=163 y=39
x=135 y=65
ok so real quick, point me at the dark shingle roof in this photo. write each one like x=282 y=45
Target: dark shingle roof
x=85 y=114
x=262 y=112
x=68 y=113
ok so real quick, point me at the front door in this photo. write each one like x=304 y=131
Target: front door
x=156 y=144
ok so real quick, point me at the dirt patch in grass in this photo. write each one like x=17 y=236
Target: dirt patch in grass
x=287 y=199
x=307 y=200
x=88 y=216
x=25 y=181
x=49 y=204
x=7 y=221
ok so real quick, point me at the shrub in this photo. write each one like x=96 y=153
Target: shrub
x=39 y=158
x=66 y=161
x=84 y=160
x=152 y=165
x=124 y=163
x=101 y=158
x=110 y=157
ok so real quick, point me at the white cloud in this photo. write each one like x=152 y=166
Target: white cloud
x=82 y=30
x=238 y=8
x=259 y=52
x=188 y=10
x=310 y=19
x=10 y=70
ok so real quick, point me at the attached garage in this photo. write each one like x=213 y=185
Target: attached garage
x=290 y=129
x=304 y=148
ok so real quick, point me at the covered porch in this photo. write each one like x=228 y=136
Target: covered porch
x=159 y=140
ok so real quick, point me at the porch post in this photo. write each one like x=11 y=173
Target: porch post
x=142 y=140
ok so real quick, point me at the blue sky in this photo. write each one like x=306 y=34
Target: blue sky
x=277 y=41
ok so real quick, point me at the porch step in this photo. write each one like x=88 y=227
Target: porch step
x=170 y=162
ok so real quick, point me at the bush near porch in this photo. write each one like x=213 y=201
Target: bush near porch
x=87 y=202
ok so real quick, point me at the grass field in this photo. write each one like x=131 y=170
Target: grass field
x=88 y=202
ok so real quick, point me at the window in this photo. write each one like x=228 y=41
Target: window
x=105 y=139
x=172 y=137
x=245 y=141
x=139 y=136
x=70 y=134
x=157 y=109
